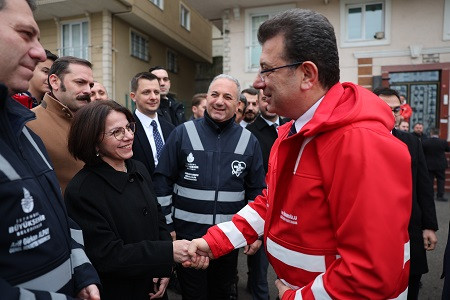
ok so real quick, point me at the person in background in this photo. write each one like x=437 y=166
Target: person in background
x=41 y=252
x=334 y=215
x=406 y=111
x=198 y=106
x=403 y=126
x=70 y=81
x=98 y=92
x=38 y=83
x=251 y=110
x=434 y=149
x=170 y=109
x=418 y=131
x=113 y=200
x=240 y=109
x=423 y=223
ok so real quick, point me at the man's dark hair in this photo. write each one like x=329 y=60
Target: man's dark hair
x=88 y=127
x=61 y=65
x=417 y=123
x=243 y=99
x=157 y=68
x=386 y=92
x=251 y=91
x=308 y=36
x=197 y=99
x=141 y=75
x=31 y=3
x=50 y=55
x=434 y=131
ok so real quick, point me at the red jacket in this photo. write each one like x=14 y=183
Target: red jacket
x=336 y=210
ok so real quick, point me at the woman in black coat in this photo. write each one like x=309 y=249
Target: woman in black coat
x=113 y=201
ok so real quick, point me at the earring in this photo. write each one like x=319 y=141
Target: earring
x=97 y=154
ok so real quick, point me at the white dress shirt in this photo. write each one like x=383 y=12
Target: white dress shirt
x=146 y=120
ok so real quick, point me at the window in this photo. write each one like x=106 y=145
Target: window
x=365 y=23
x=254 y=18
x=172 y=63
x=75 y=39
x=159 y=3
x=446 y=30
x=185 y=17
x=139 y=46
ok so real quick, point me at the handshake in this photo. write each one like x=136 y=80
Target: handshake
x=194 y=254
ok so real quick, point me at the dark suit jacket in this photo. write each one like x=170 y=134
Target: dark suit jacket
x=141 y=145
x=423 y=215
x=266 y=136
x=434 y=149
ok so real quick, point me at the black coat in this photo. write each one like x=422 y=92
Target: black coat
x=141 y=146
x=423 y=215
x=125 y=233
x=266 y=136
x=434 y=149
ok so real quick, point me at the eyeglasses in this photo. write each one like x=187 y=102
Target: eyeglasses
x=264 y=73
x=396 y=110
x=119 y=133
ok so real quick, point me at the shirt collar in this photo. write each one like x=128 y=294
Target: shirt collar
x=270 y=123
x=146 y=120
x=307 y=116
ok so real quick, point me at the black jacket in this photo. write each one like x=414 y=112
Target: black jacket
x=141 y=146
x=125 y=233
x=423 y=215
x=172 y=110
x=434 y=149
x=266 y=136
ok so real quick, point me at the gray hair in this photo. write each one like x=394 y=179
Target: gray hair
x=231 y=78
x=31 y=3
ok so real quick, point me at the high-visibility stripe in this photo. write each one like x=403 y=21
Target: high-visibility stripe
x=8 y=170
x=318 y=289
x=169 y=219
x=58 y=296
x=243 y=142
x=253 y=218
x=165 y=201
x=52 y=281
x=236 y=237
x=30 y=138
x=406 y=254
x=26 y=295
x=208 y=195
x=77 y=235
x=200 y=218
x=307 y=262
x=402 y=296
x=193 y=136
x=78 y=257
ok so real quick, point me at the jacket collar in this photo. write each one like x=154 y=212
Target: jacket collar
x=117 y=180
x=52 y=104
x=219 y=127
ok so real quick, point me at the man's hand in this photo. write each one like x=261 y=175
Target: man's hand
x=160 y=286
x=251 y=249
x=200 y=253
x=180 y=251
x=173 y=234
x=281 y=288
x=89 y=293
x=429 y=239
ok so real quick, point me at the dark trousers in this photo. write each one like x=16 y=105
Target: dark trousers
x=257 y=274
x=214 y=283
x=440 y=181
x=414 y=286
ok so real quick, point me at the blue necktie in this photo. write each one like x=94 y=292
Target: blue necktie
x=157 y=137
x=292 y=130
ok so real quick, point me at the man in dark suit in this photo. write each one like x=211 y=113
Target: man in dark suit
x=265 y=128
x=151 y=131
x=423 y=222
x=434 y=149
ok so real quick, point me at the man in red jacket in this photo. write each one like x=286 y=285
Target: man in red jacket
x=334 y=216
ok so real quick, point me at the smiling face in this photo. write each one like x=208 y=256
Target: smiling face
x=222 y=99
x=147 y=96
x=111 y=150
x=19 y=45
x=74 y=89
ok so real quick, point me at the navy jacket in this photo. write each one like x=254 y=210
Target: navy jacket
x=207 y=174
x=40 y=247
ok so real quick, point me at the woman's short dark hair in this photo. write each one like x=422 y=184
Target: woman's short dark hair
x=88 y=126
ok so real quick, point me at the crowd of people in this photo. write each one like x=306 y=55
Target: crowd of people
x=100 y=202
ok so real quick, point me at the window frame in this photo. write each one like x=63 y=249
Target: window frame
x=170 y=52
x=255 y=12
x=184 y=7
x=88 y=38
x=146 y=39
x=446 y=23
x=160 y=5
x=346 y=43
